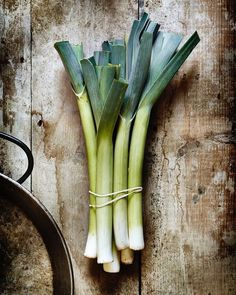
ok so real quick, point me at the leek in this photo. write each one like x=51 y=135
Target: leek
x=117 y=87
x=159 y=82
x=71 y=56
x=104 y=183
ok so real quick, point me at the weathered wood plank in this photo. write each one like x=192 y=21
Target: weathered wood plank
x=15 y=98
x=189 y=171
x=60 y=176
x=190 y=160
x=25 y=265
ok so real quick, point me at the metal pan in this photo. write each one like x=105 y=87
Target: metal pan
x=63 y=280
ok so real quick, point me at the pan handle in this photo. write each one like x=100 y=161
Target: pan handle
x=27 y=152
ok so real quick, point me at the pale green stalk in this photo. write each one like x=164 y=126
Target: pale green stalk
x=104 y=181
x=87 y=122
x=104 y=186
x=137 y=147
x=121 y=182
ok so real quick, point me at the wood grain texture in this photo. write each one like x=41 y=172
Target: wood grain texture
x=25 y=265
x=189 y=171
x=190 y=160
x=15 y=84
x=60 y=177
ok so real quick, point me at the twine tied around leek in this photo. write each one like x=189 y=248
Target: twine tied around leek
x=128 y=192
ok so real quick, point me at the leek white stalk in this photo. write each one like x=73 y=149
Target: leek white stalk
x=127 y=256
x=114 y=266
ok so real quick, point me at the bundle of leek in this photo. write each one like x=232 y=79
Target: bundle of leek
x=118 y=86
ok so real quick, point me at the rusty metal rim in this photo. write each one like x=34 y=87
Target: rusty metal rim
x=63 y=279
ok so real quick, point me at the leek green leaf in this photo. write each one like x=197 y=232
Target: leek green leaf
x=78 y=50
x=138 y=77
x=137 y=36
x=162 y=51
x=112 y=107
x=130 y=48
x=169 y=71
x=91 y=83
x=106 y=75
x=92 y=60
x=153 y=27
x=71 y=64
x=118 y=56
x=102 y=58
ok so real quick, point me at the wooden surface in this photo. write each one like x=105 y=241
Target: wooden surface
x=189 y=172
